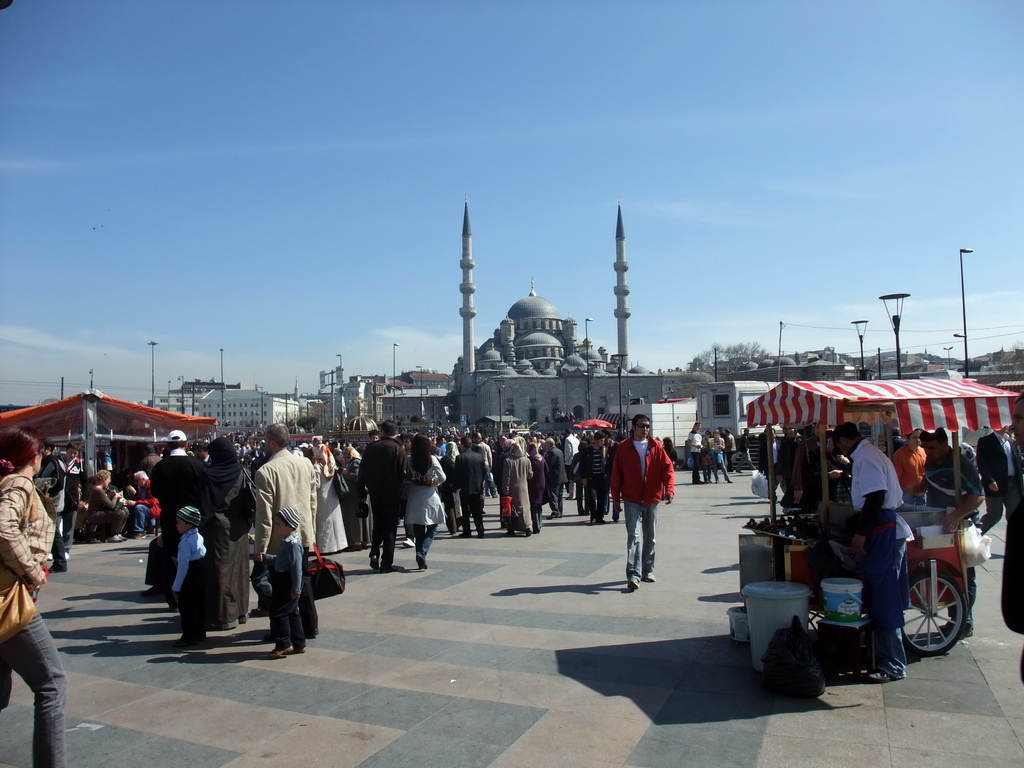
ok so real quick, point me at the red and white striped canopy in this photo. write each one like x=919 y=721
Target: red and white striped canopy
x=917 y=403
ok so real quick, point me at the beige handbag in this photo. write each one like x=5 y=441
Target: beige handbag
x=16 y=610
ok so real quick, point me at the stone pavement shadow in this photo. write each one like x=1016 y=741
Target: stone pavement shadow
x=577 y=589
x=696 y=680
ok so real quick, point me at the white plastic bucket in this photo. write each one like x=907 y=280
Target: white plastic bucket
x=843 y=599
x=739 y=627
x=771 y=605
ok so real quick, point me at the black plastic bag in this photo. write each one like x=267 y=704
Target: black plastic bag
x=790 y=666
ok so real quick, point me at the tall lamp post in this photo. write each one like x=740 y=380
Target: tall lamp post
x=963 y=309
x=894 y=318
x=394 y=379
x=501 y=407
x=949 y=362
x=341 y=408
x=586 y=344
x=221 y=387
x=181 y=392
x=152 y=373
x=861 y=326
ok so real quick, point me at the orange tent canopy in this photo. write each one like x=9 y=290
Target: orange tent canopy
x=119 y=418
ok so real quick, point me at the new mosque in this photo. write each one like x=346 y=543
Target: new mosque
x=535 y=368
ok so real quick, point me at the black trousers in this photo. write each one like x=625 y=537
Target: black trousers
x=307 y=606
x=192 y=603
x=285 y=618
x=472 y=506
x=385 y=529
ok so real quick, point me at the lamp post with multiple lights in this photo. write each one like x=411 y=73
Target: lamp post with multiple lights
x=586 y=349
x=861 y=326
x=394 y=381
x=152 y=373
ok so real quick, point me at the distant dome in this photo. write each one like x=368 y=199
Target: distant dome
x=809 y=363
x=593 y=355
x=596 y=370
x=549 y=371
x=574 y=363
x=767 y=363
x=525 y=368
x=749 y=366
x=538 y=339
x=787 y=361
x=638 y=369
x=533 y=306
x=491 y=355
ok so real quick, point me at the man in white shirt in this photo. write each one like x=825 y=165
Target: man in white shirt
x=570 y=446
x=876 y=494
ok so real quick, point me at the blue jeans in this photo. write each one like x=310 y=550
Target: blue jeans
x=641 y=521
x=423 y=536
x=32 y=654
x=140 y=516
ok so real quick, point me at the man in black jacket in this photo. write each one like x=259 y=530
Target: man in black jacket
x=470 y=480
x=381 y=474
x=554 y=461
x=176 y=483
x=999 y=462
x=1013 y=559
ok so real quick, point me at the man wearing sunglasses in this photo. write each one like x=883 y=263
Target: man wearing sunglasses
x=640 y=470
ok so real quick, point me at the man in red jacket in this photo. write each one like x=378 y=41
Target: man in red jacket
x=640 y=470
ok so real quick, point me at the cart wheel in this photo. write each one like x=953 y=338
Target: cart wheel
x=933 y=623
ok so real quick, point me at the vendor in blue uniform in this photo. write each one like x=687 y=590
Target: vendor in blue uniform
x=876 y=494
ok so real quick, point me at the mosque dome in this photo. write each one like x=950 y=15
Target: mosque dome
x=639 y=369
x=538 y=339
x=749 y=366
x=533 y=306
x=787 y=361
x=574 y=363
x=549 y=371
x=767 y=363
x=491 y=355
x=593 y=355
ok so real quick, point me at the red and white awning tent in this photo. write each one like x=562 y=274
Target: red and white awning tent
x=915 y=403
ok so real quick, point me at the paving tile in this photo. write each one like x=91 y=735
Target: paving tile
x=278 y=690
x=747 y=713
x=942 y=696
x=416 y=751
x=440 y=577
x=487 y=721
x=939 y=759
x=571 y=735
x=943 y=732
x=816 y=719
x=795 y=751
x=717 y=678
x=401 y=647
x=347 y=640
x=390 y=707
x=683 y=745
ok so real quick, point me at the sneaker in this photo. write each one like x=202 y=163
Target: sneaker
x=881 y=676
x=408 y=544
x=116 y=539
x=633 y=585
x=649 y=578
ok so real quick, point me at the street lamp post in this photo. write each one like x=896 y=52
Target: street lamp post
x=152 y=372
x=221 y=387
x=586 y=348
x=963 y=309
x=181 y=392
x=341 y=375
x=949 y=363
x=894 y=318
x=861 y=326
x=501 y=407
x=394 y=380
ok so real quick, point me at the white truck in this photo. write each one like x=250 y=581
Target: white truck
x=672 y=418
x=724 y=403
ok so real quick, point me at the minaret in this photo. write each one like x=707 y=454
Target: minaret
x=621 y=292
x=468 y=312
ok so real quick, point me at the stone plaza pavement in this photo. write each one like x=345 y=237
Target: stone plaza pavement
x=524 y=652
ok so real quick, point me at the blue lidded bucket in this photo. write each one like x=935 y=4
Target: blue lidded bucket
x=843 y=599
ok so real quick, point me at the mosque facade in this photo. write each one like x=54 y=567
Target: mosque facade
x=535 y=368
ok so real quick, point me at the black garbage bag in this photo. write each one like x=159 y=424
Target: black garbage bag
x=790 y=666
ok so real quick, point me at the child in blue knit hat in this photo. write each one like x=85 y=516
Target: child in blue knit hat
x=188 y=585
x=286 y=580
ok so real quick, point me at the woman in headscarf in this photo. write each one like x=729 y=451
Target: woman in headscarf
x=228 y=508
x=515 y=476
x=330 y=528
x=538 y=485
x=452 y=513
x=27 y=523
x=423 y=510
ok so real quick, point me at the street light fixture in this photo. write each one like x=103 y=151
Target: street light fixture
x=586 y=348
x=861 y=326
x=152 y=373
x=949 y=363
x=341 y=410
x=894 y=318
x=394 y=380
x=221 y=389
x=963 y=309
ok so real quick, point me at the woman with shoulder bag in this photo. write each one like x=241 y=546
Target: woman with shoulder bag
x=424 y=510
x=27 y=525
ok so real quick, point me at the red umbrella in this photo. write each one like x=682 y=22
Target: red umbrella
x=594 y=424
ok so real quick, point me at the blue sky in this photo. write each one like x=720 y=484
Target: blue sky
x=286 y=180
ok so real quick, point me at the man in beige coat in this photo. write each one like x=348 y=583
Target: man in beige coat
x=284 y=480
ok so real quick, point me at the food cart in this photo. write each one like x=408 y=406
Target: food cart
x=936 y=563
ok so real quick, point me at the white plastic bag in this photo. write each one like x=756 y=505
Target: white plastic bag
x=977 y=548
x=759 y=485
